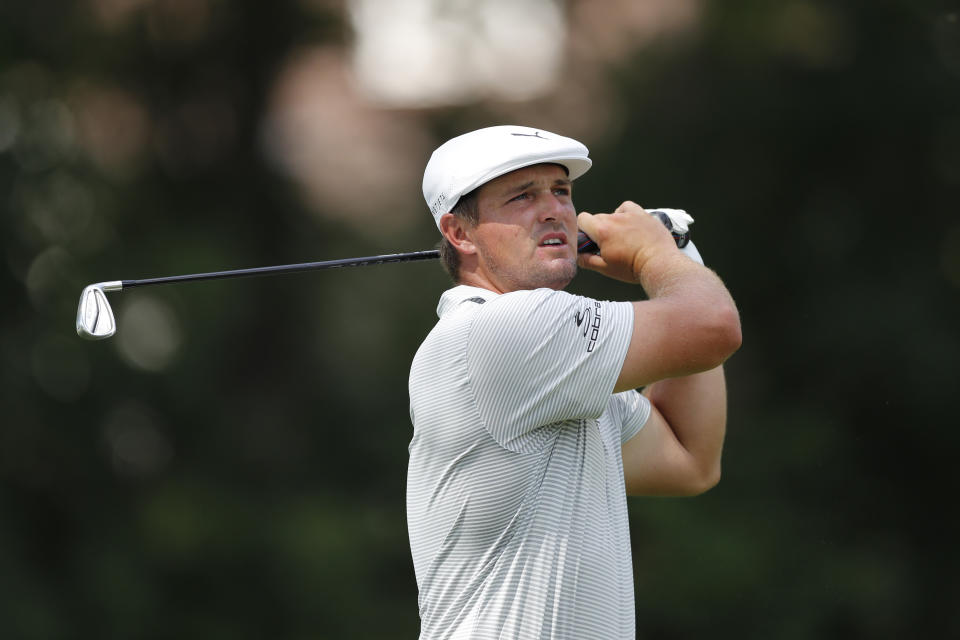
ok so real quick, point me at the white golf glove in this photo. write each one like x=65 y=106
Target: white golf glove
x=681 y=221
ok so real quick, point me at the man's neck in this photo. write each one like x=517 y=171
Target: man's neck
x=474 y=279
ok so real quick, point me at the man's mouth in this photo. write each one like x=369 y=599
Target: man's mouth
x=553 y=240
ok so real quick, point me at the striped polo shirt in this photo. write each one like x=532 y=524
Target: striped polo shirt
x=516 y=506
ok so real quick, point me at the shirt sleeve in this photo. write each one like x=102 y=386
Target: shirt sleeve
x=633 y=410
x=540 y=357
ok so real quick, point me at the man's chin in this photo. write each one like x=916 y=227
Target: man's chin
x=557 y=275
x=550 y=274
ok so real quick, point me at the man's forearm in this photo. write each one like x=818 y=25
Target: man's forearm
x=695 y=407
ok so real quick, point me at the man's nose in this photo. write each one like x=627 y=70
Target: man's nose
x=553 y=209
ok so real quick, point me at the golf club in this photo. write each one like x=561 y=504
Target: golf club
x=95 y=319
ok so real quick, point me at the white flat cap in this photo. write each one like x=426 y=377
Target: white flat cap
x=462 y=164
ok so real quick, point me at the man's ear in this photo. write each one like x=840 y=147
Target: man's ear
x=457 y=232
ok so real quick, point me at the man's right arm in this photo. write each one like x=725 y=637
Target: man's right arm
x=681 y=336
x=689 y=323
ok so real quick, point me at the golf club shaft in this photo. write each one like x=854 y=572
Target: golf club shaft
x=95 y=320
x=584 y=244
x=412 y=256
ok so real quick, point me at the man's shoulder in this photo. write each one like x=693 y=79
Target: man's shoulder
x=463 y=297
x=527 y=311
x=470 y=299
x=533 y=298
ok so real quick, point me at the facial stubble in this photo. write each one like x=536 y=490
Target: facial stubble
x=537 y=275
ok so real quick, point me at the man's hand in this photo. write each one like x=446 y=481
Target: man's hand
x=688 y=324
x=629 y=238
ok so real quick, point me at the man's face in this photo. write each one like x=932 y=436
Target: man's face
x=527 y=231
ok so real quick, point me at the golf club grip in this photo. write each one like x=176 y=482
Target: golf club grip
x=412 y=256
x=586 y=245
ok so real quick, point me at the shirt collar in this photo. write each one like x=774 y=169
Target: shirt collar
x=452 y=298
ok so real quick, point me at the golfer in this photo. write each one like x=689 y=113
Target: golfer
x=528 y=433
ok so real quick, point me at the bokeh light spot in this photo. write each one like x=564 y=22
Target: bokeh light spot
x=148 y=334
x=136 y=441
x=113 y=127
x=423 y=53
x=46 y=275
x=47 y=136
x=9 y=123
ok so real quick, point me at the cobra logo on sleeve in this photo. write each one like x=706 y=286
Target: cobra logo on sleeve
x=590 y=319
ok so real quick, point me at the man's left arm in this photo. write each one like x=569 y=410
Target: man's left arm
x=678 y=450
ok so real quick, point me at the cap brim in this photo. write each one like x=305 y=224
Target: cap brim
x=576 y=166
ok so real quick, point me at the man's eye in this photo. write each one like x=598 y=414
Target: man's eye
x=561 y=191
x=518 y=197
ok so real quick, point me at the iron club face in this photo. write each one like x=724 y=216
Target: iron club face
x=95 y=319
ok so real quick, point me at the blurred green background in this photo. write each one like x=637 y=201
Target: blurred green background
x=232 y=463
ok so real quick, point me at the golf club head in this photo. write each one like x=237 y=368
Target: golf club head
x=95 y=319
